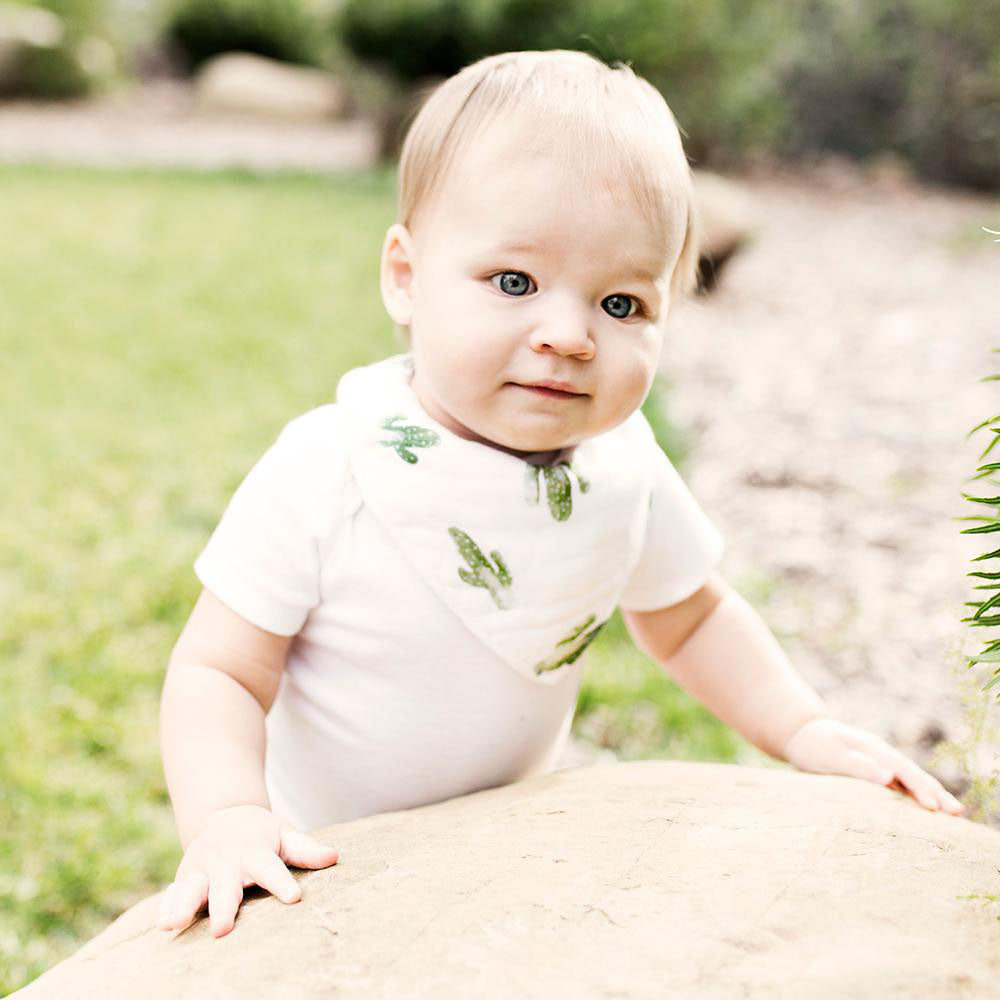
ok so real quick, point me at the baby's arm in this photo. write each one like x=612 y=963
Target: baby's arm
x=222 y=678
x=717 y=647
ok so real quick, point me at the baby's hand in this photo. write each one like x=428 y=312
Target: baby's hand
x=830 y=747
x=240 y=846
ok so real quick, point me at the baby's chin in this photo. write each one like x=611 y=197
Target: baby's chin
x=526 y=443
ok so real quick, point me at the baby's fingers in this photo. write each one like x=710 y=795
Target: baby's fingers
x=908 y=776
x=301 y=850
x=858 y=764
x=927 y=790
x=183 y=899
x=269 y=873
x=225 y=893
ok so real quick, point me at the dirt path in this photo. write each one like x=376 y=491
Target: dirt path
x=829 y=384
x=160 y=126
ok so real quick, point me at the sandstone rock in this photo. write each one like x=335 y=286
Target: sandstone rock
x=27 y=25
x=647 y=879
x=249 y=84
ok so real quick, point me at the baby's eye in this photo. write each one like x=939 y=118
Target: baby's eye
x=512 y=282
x=620 y=306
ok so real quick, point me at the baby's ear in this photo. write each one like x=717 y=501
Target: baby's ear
x=397 y=274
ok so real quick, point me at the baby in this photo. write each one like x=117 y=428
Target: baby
x=397 y=598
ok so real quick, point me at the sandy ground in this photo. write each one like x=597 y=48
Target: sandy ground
x=827 y=384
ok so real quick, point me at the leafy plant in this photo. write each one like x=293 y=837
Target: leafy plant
x=916 y=77
x=989 y=524
x=288 y=30
x=713 y=59
x=55 y=49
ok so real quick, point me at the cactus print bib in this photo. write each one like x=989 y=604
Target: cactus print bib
x=531 y=558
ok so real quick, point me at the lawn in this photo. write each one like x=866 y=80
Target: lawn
x=158 y=330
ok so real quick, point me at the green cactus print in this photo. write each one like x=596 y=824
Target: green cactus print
x=558 y=487
x=410 y=436
x=483 y=573
x=578 y=640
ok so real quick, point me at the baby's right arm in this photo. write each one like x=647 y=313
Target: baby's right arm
x=222 y=678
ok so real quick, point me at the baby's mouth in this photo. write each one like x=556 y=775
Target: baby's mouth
x=553 y=390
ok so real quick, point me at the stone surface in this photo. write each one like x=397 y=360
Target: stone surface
x=250 y=84
x=647 y=879
x=725 y=212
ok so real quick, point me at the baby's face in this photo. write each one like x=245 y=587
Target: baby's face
x=536 y=304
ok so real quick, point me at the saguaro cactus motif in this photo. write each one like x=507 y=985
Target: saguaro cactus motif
x=558 y=487
x=494 y=576
x=410 y=436
x=576 y=642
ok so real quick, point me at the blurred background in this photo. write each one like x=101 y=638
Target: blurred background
x=193 y=195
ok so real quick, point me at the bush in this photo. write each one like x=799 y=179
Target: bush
x=54 y=48
x=289 y=30
x=705 y=55
x=919 y=77
x=49 y=73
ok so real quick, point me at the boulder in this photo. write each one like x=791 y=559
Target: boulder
x=647 y=879
x=727 y=219
x=238 y=82
x=22 y=24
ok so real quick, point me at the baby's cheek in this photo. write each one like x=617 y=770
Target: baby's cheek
x=635 y=385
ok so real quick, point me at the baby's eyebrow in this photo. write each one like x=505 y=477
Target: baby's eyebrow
x=520 y=246
x=641 y=273
x=625 y=271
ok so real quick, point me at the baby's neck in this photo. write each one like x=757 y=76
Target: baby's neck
x=547 y=457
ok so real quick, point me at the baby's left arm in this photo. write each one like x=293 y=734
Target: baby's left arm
x=717 y=647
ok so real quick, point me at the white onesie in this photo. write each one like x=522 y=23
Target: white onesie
x=441 y=593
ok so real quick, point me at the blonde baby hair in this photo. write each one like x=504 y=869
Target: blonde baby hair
x=605 y=122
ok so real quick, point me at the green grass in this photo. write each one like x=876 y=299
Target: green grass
x=158 y=329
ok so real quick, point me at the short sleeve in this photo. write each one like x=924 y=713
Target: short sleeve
x=264 y=557
x=681 y=548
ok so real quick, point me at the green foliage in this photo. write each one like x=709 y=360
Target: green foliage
x=919 y=77
x=989 y=524
x=982 y=729
x=289 y=30
x=706 y=55
x=71 y=66
x=52 y=73
x=79 y=16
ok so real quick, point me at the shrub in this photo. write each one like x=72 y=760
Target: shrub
x=920 y=77
x=289 y=30
x=705 y=55
x=63 y=53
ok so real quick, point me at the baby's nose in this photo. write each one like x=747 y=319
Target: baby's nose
x=564 y=331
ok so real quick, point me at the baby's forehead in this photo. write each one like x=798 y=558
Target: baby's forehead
x=502 y=196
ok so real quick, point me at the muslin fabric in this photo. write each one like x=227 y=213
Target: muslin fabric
x=531 y=558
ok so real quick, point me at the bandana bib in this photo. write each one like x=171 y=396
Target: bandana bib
x=531 y=558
